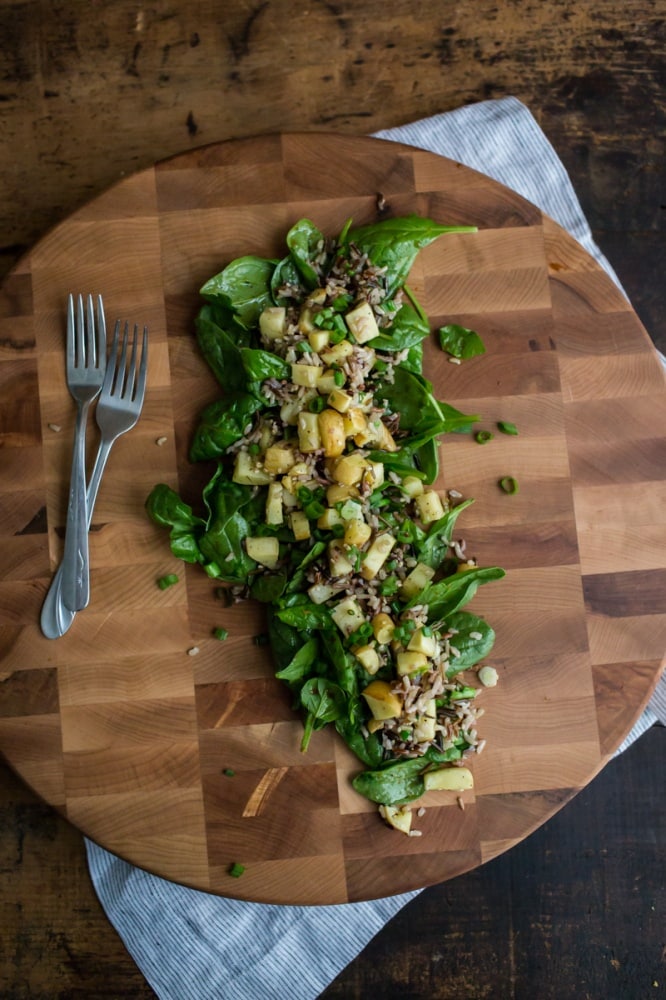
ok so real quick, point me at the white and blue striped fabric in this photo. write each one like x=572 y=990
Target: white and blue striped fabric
x=193 y=946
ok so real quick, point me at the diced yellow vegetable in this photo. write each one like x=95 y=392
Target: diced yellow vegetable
x=362 y=323
x=338 y=563
x=329 y=519
x=408 y=663
x=289 y=411
x=382 y=701
x=413 y=486
x=368 y=657
x=336 y=493
x=375 y=474
x=424 y=730
x=319 y=593
x=274 y=507
x=305 y=317
x=309 y=438
x=452 y=779
x=415 y=581
x=383 y=628
x=348 y=615
x=429 y=506
x=332 y=432
x=248 y=472
x=340 y=400
x=318 y=339
x=356 y=421
x=317 y=297
x=300 y=525
x=399 y=817
x=420 y=643
x=306 y=375
x=357 y=532
x=327 y=383
x=377 y=434
x=376 y=555
x=336 y=354
x=279 y=458
x=263 y=550
x=348 y=469
x=273 y=322
x=374 y=725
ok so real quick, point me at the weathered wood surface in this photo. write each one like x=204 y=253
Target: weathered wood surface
x=84 y=102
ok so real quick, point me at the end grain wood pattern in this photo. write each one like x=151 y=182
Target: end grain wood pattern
x=130 y=737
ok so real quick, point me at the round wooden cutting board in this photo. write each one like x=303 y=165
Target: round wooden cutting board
x=131 y=738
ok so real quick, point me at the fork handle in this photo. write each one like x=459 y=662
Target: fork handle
x=75 y=563
x=56 y=617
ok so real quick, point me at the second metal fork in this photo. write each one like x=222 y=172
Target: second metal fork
x=86 y=361
x=118 y=410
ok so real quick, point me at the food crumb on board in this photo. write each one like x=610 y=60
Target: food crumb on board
x=193 y=650
x=461 y=803
x=161 y=440
x=56 y=428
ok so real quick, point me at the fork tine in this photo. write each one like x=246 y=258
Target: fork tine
x=80 y=355
x=101 y=332
x=107 y=385
x=128 y=391
x=71 y=335
x=122 y=364
x=90 y=346
x=141 y=383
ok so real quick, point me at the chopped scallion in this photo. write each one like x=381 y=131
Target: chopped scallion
x=167 y=581
x=509 y=484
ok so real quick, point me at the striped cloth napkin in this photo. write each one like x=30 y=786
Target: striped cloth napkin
x=193 y=946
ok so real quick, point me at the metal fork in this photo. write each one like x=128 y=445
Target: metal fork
x=118 y=410
x=86 y=360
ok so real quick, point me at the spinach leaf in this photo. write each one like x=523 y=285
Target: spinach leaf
x=166 y=509
x=471 y=648
x=460 y=342
x=301 y=663
x=394 y=243
x=244 y=287
x=402 y=781
x=453 y=592
x=324 y=702
x=284 y=640
x=268 y=587
x=434 y=547
x=286 y=273
x=233 y=508
x=297 y=576
x=221 y=423
x=368 y=749
x=305 y=242
x=306 y=617
x=260 y=365
x=343 y=663
x=221 y=349
x=407 y=330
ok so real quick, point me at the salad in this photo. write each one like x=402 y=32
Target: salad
x=325 y=444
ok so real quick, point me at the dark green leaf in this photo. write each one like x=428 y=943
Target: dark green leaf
x=433 y=550
x=460 y=342
x=222 y=423
x=471 y=649
x=301 y=662
x=454 y=592
x=244 y=287
x=305 y=242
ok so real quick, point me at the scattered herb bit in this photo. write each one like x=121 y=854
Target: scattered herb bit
x=482 y=437
x=509 y=484
x=506 y=427
x=236 y=870
x=221 y=633
x=167 y=581
x=460 y=342
x=229 y=772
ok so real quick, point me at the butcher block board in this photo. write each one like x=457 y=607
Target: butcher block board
x=130 y=737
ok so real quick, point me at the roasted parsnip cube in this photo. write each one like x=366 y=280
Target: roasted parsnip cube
x=408 y=663
x=383 y=628
x=300 y=525
x=429 y=506
x=413 y=486
x=348 y=615
x=279 y=458
x=348 y=469
x=357 y=532
x=377 y=435
x=318 y=339
x=336 y=354
x=305 y=317
x=338 y=563
x=263 y=550
x=424 y=730
x=377 y=555
x=327 y=383
x=362 y=323
x=273 y=322
x=317 y=297
x=329 y=519
x=420 y=643
x=399 y=817
x=340 y=400
x=375 y=474
x=452 y=779
x=382 y=701
x=336 y=493
x=274 y=507
x=319 y=593
x=415 y=581
x=309 y=438
x=356 y=421
x=368 y=657
x=331 y=432
x=248 y=472
x=306 y=375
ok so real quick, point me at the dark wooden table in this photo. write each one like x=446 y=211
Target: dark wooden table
x=91 y=92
